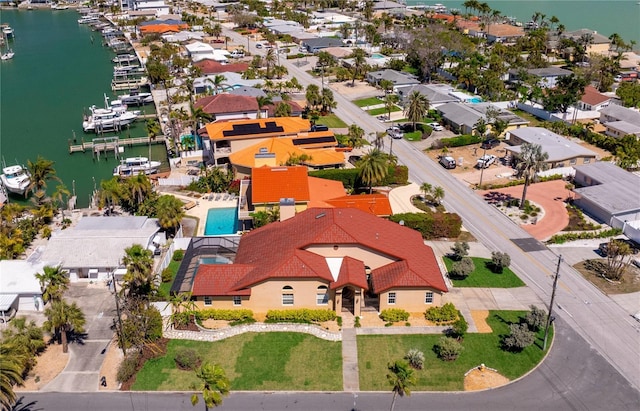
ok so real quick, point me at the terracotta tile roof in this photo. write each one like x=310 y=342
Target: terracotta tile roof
x=296 y=109
x=593 y=97
x=351 y=273
x=220 y=279
x=213 y=67
x=270 y=248
x=290 y=126
x=321 y=190
x=270 y=184
x=376 y=204
x=505 y=30
x=227 y=103
x=283 y=148
x=162 y=28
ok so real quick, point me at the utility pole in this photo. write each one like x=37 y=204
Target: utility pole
x=120 y=334
x=482 y=169
x=550 y=318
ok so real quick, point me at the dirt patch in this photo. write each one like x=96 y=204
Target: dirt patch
x=372 y=319
x=330 y=326
x=110 y=365
x=50 y=363
x=630 y=282
x=361 y=89
x=215 y=324
x=480 y=319
x=481 y=379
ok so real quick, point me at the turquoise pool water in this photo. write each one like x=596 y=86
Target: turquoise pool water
x=377 y=56
x=475 y=100
x=221 y=221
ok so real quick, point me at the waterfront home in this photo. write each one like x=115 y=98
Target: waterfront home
x=229 y=106
x=278 y=151
x=597 y=44
x=562 y=151
x=314 y=45
x=620 y=121
x=231 y=81
x=199 y=51
x=494 y=33
x=398 y=78
x=208 y=66
x=183 y=36
x=547 y=76
x=162 y=26
x=94 y=247
x=462 y=117
x=437 y=94
x=333 y=258
x=296 y=109
x=157 y=6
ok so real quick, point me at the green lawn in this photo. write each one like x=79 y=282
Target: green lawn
x=332 y=121
x=376 y=351
x=533 y=120
x=484 y=277
x=383 y=110
x=254 y=361
x=413 y=135
x=371 y=101
x=166 y=287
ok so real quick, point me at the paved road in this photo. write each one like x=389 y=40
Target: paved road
x=589 y=383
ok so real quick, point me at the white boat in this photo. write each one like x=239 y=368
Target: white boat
x=59 y=6
x=135 y=165
x=113 y=115
x=88 y=19
x=15 y=179
x=7 y=31
x=136 y=97
x=8 y=55
x=125 y=58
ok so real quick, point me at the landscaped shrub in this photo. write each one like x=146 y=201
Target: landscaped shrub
x=461 y=269
x=187 y=358
x=224 y=315
x=348 y=176
x=356 y=323
x=459 y=250
x=589 y=235
x=459 y=328
x=444 y=314
x=499 y=261
x=128 y=366
x=463 y=140
x=302 y=315
x=431 y=225
x=448 y=349
x=339 y=321
x=396 y=175
x=536 y=318
x=394 y=315
x=415 y=358
x=520 y=337
x=167 y=275
x=178 y=255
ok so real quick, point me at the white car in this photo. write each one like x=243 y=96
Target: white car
x=436 y=126
x=395 y=132
x=485 y=161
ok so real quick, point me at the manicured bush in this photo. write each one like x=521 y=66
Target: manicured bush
x=444 y=314
x=394 y=315
x=396 y=175
x=520 y=338
x=187 y=358
x=339 y=321
x=178 y=255
x=348 y=176
x=536 y=318
x=431 y=224
x=302 y=315
x=461 y=269
x=459 y=250
x=224 y=315
x=167 y=275
x=128 y=366
x=356 y=323
x=415 y=358
x=460 y=327
x=459 y=141
x=499 y=261
x=588 y=235
x=448 y=349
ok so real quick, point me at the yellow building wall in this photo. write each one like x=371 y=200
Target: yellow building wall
x=370 y=258
x=411 y=300
x=266 y=207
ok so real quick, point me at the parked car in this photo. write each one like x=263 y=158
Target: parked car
x=383 y=118
x=447 y=162
x=7 y=315
x=436 y=126
x=354 y=159
x=395 y=132
x=485 y=161
x=237 y=53
x=319 y=127
x=258 y=45
x=490 y=143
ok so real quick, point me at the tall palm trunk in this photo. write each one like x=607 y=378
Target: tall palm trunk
x=393 y=402
x=63 y=337
x=524 y=191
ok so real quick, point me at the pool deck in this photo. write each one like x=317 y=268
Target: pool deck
x=203 y=204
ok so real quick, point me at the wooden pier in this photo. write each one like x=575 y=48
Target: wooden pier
x=128 y=84
x=100 y=145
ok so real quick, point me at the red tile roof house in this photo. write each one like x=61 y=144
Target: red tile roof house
x=333 y=258
x=230 y=106
x=213 y=67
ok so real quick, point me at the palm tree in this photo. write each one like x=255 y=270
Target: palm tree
x=198 y=116
x=328 y=101
x=530 y=160
x=438 y=195
x=354 y=138
x=11 y=369
x=481 y=127
x=139 y=277
x=314 y=99
x=63 y=318
x=401 y=378
x=26 y=336
x=416 y=108
x=386 y=85
x=262 y=102
x=53 y=282
x=358 y=57
x=373 y=168
x=270 y=60
x=110 y=192
x=179 y=303
x=282 y=110
x=218 y=81
x=169 y=211
x=390 y=101
x=41 y=171
x=213 y=383
x=139 y=188
x=426 y=188
x=59 y=196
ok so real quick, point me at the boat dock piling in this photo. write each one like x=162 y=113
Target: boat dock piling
x=106 y=144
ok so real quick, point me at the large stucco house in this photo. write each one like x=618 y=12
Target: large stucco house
x=333 y=258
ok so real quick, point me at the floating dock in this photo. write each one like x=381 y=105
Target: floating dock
x=100 y=145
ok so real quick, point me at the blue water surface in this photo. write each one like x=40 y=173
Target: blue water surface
x=221 y=221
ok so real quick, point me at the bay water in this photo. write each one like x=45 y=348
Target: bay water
x=60 y=68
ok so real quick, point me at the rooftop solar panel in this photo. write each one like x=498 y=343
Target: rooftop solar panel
x=313 y=140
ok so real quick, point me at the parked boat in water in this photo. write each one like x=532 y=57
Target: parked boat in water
x=136 y=97
x=112 y=116
x=15 y=179
x=8 y=55
x=125 y=58
x=133 y=166
x=7 y=31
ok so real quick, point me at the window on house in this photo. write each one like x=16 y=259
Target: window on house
x=287 y=295
x=322 y=297
x=207 y=300
x=237 y=300
x=572 y=161
x=391 y=299
x=586 y=161
x=428 y=297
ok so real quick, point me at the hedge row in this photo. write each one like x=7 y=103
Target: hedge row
x=463 y=140
x=514 y=183
x=225 y=315
x=396 y=175
x=394 y=315
x=589 y=235
x=431 y=225
x=445 y=314
x=302 y=315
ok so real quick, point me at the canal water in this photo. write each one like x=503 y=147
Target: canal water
x=60 y=68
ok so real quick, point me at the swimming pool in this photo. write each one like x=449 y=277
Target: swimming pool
x=377 y=56
x=221 y=221
x=475 y=100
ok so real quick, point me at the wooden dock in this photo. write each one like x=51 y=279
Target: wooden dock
x=100 y=145
x=129 y=84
